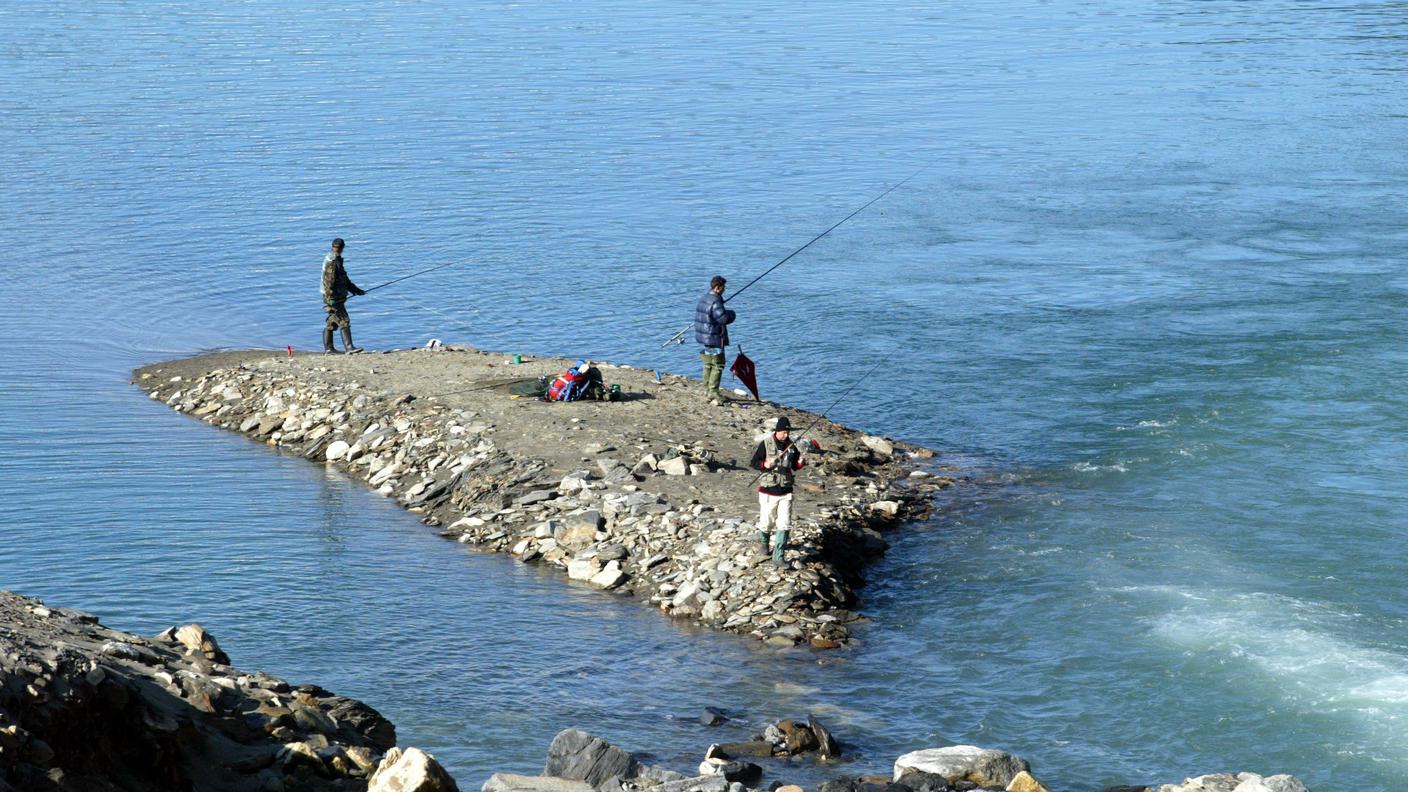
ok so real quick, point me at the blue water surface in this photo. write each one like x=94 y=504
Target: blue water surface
x=1146 y=289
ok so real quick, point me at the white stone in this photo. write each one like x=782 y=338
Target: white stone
x=610 y=576
x=888 y=508
x=337 y=449
x=879 y=445
x=982 y=766
x=582 y=568
x=676 y=466
x=412 y=770
x=684 y=594
x=508 y=782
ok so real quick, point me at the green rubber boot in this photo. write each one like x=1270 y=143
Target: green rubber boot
x=778 y=547
x=763 y=537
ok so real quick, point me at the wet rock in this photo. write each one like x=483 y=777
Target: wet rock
x=796 y=737
x=761 y=748
x=412 y=770
x=580 y=756
x=982 y=766
x=713 y=717
x=826 y=744
x=838 y=785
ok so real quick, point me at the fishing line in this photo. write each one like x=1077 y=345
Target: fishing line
x=412 y=275
x=679 y=337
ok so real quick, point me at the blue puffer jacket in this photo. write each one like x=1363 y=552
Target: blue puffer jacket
x=711 y=321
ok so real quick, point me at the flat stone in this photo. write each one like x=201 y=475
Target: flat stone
x=982 y=766
x=508 y=782
x=612 y=552
x=879 y=445
x=678 y=466
x=536 y=496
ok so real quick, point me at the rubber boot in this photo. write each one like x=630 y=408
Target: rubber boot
x=347 y=341
x=763 y=537
x=778 y=547
x=327 y=342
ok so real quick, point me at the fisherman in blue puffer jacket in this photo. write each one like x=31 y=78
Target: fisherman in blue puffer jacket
x=711 y=321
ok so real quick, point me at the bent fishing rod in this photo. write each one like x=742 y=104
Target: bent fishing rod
x=678 y=338
x=802 y=434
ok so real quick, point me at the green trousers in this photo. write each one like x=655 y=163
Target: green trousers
x=713 y=375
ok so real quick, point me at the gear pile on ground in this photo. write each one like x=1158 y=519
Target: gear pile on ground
x=650 y=496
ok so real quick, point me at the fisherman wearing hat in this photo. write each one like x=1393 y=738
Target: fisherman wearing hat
x=779 y=459
x=336 y=287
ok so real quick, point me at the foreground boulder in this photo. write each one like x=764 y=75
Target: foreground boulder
x=413 y=770
x=982 y=766
x=84 y=707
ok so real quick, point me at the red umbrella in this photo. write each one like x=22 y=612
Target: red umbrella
x=743 y=369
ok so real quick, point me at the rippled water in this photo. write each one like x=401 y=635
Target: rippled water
x=1148 y=288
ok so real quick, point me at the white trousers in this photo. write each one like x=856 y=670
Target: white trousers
x=774 y=510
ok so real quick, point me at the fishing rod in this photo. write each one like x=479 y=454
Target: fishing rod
x=819 y=418
x=412 y=275
x=678 y=338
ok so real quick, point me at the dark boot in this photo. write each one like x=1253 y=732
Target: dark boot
x=763 y=537
x=327 y=342
x=347 y=341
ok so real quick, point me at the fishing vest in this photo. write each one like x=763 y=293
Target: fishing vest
x=781 y=474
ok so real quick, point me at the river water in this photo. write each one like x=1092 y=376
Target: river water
x=1147 y=290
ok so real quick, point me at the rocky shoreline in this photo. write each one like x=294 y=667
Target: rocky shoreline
x=84 y=708
x=648 y=497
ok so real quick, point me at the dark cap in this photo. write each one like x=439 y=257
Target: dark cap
x=781 y=424
x=337 y=243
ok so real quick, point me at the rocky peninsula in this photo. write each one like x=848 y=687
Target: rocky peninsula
x=649 y=496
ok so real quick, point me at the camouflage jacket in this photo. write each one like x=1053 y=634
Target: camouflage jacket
x=336 y=284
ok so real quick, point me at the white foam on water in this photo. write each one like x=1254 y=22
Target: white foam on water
x=1304 y=654
x=1086 y=467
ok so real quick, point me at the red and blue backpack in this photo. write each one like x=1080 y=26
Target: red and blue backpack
x=572 y=385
